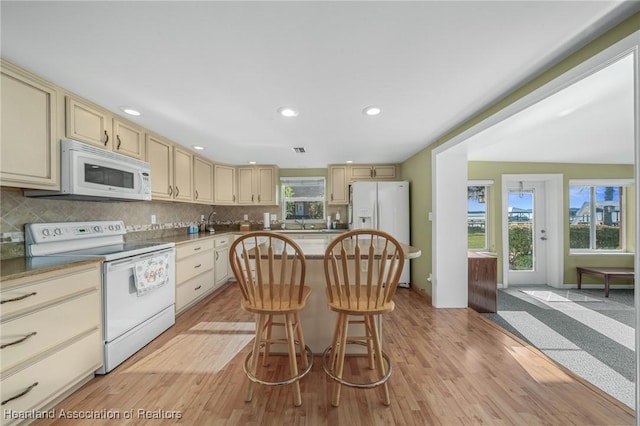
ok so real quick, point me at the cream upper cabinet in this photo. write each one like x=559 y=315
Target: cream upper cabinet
x=128 y=139
x=159 y=154
x=267 y=184
x=88 y=124
x=202 y=181
x=182 y=174
x=29 y=156
x=224 y=180
x=338 y=185
x=372 y=171
x=93 y=125
x=246 y=185
x=257 y=185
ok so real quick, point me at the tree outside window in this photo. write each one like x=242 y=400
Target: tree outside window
x=303 y=199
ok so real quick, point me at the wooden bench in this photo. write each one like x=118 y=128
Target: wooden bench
x=606 y=272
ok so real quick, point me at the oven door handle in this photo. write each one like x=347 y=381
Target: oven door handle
x=118 y=265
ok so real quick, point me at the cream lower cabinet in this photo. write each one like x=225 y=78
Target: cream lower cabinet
x=29 y=149
x=50 y=328
x=224 y=181
x=194 y=272
x=222 y=269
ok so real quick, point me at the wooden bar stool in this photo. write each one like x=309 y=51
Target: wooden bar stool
x=270 y=270
x=362 y=269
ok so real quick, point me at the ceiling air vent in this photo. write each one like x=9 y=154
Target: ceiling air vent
x=299 y=149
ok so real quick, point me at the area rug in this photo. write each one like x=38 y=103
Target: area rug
x=560 y=296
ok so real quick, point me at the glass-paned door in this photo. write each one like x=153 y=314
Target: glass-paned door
x=526 y=233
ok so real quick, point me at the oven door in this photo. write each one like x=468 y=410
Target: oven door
x=105 y=174
x=123 y=308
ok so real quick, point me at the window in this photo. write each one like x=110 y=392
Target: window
x=303 y=199
x=477 y=217
x=596 y=219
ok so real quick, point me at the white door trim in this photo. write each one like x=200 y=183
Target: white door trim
x=554 y=211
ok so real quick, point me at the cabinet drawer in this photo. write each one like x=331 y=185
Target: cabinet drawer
x=186 y=250
x=223 y=241
x=52 y=374
x=193 y=265
x=33 y=293
x=194 y=289
x=46 y=328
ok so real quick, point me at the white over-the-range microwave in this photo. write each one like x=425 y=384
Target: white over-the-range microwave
x=95 y=174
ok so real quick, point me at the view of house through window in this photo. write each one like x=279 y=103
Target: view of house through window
x=303 y=199
x=477 y=217
x=595 y=217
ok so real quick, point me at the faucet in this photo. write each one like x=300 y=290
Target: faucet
x=300 y=222
x=210 y=227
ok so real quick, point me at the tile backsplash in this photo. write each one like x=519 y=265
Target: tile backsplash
x=17 y=210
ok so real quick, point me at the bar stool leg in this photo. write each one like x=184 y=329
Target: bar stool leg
x=260 y=322
x=369 y=327
x=343 y=319
x=293 y=364
x=302 y=344
x=267 y=345
x=379 y=361
x=334 y=344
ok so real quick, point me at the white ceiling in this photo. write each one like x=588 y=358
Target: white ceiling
x=214 y=73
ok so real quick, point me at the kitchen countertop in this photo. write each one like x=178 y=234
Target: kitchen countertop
x=20 y=267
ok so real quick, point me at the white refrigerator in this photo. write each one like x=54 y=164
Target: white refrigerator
x=383 y=206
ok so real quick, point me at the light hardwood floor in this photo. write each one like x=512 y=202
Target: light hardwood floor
x=450 y=366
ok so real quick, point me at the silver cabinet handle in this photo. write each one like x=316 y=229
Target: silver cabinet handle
x=15 y=342
x=15 y=299
x=23 y=393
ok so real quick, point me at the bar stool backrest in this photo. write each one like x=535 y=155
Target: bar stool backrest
x=270 y=270
x=355 y=282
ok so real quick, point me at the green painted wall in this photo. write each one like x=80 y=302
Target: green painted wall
x=417 y=169
x=495 y=170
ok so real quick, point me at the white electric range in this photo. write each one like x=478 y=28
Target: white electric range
x=138 y=280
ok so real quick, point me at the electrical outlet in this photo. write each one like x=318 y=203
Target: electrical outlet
x=201 y=218
x=246 y=217
x=153 y=219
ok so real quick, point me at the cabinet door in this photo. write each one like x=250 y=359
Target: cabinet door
x=338 y=186
x=361 y=171
x=202 y=181
x=384 y=171
x=246 y=185
x=182 y=175
x=129 y=139
x=266 y=184
x=224 y=184
x=221 y=268
x=29 y=153
x=160 y=157
x=88 y=124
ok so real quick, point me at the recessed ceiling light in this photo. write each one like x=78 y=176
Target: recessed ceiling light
x=252 y=162
x=197 y=147
x=287 y=112
x=371 y=110
x=130 y=111
x=349 y=161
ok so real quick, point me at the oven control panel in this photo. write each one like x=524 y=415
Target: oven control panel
x=36 y=233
